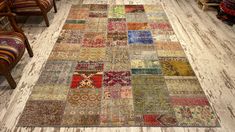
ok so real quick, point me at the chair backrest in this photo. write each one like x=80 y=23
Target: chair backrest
x=6 y=11
x=2 y=5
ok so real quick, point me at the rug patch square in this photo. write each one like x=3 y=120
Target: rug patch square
x=90 y=66
x=191 y=111
x=74 y=26
x=152 y=99
x=77 y=13
x=64 y=52
x=184 y=86
x=49 y=92
x=174 y=46
x=140 y=37
x=137 y=26
x=95 y=40
x=98 y=14
x=159 y=120
x=164 y=36
x=195 y=116
x=65 y=47
x=42 y=113
x=116 y=39
x=176 y=67
x=141 y=64
x=153 y=8
x=169 y=49
x=117 y=36
x=141 y=54
x=64 y=56
x=160 y=26
x=117 y=112
x=70 y=37
x=147 y=79
x=136 y=17
x=83 y=102
x=117 y=92
x=92 y=54
x=96 y=25
x=117 y=78
x=157 y=17
x=87 y=75
x=82 y=120
x=111 y=92
x=117 y=59
x=101 y=7
x=145 y=67
x=134 y=8
x=117 y=25
x=142 y=47
x=117 y=11
x=57 y=72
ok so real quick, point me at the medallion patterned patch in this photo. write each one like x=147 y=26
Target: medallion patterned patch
x=87 y=75
x=117 y=66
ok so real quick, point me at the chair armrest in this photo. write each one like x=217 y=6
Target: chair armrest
x=39 y=4
x=8 y=14
x=11 y=17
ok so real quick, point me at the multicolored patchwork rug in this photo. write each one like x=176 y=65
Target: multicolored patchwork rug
x=117 y=65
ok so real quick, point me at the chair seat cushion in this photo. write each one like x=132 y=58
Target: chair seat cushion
x=31 y=5
x=11 y=47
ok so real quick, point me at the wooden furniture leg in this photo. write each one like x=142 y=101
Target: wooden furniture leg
x=204 y=7
x=46 y=19
x=55 y=8
x=28 y=47
x=10 y=79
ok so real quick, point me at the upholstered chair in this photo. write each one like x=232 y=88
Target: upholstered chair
x=12 y=45
x=33 y=7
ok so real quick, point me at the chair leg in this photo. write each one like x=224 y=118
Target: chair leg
x=10 y=79
x=46 y=19
x=55 y=8
x=28 y=47
x=204 y=7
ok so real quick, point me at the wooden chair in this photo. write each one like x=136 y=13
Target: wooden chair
x=12 y=45
x=33 y=7
x=207 y=3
